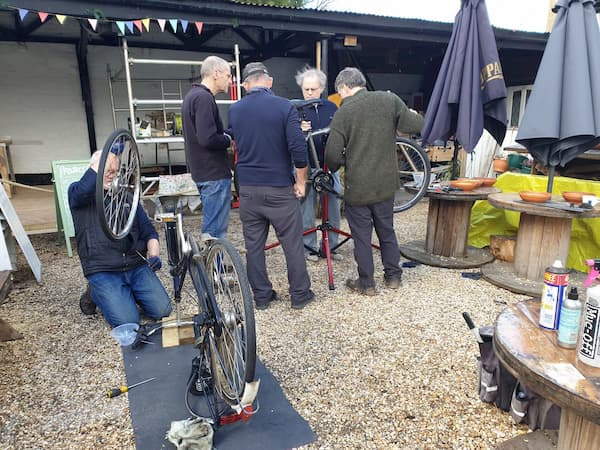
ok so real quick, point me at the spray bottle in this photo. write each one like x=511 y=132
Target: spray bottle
x=570 y=318
x=588 y=350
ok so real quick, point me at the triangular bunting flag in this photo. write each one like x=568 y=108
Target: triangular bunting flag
x=129 y=24
x=184 y=24
x=146 y=23
x=93 y=23
x=61 y=19
x=43 y=16
x=173 y=23
x=199 y=27
x=138 y=24
x=23 y=13
x=161 y=24
x=121 y=26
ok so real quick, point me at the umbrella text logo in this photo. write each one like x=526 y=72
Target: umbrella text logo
x=492 y=71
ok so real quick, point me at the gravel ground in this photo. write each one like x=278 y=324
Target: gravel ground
x=392 y=371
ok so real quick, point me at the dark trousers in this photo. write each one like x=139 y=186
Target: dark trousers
x=361 y=220
x=261 y=206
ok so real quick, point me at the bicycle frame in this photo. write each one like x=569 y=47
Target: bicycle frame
x=179 y=249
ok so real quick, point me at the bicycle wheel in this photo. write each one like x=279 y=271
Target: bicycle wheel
x=412 y=160
x=233 y=353
x=118 y=189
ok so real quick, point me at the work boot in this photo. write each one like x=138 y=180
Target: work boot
x=392 y=282
x=262 y=305
x=299 y=304
x=86 y=304
x=355 y=286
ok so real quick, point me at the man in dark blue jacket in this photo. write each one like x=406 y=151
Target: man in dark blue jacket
x=206 y=145
x=120 y=273
x=270 y=144
x=313 y=118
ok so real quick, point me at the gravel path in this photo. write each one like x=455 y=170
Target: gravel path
x=392 y=371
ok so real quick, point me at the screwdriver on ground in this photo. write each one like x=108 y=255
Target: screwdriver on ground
x=118 y=391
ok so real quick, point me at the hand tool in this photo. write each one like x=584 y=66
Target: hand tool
x=118 y=391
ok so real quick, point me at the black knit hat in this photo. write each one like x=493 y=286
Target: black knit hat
x=254 y=68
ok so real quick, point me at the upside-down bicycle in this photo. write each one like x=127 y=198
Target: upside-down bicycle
x=224 y=327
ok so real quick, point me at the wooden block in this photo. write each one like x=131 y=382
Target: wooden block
x=173 y=336
x=503 y=247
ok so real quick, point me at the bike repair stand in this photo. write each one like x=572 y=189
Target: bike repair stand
x=322 y=181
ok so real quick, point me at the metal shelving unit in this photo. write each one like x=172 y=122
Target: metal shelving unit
x=169 y=101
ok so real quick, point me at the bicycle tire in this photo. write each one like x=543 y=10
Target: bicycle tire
x=117 y=204
x=412 y=159
x=233 y=352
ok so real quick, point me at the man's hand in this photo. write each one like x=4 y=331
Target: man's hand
x=305 y=126
x=154 y=263
x=300 y=190
x=300 y=185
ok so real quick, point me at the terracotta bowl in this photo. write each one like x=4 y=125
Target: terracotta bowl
x=476 y=180
x=534 y=196
x=575 y=197
x=486 y=182
x=464 y=184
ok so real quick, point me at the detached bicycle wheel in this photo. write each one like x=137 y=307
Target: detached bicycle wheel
x=414 y=173
x=118 y=184
x=233 y=353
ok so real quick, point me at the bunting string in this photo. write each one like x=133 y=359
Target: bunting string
x=131 y=26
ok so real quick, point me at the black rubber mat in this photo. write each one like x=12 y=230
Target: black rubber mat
x=154 y=405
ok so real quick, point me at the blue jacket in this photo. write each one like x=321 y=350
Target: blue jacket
x=97 y=253
x=268 y=139
x=319 y=116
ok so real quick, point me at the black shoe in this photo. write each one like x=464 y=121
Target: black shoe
x=265 y=303
x=355 y=286
x=302 y=303
x=392 y=282
x=86 y=304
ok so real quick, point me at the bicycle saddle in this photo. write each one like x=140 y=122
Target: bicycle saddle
x=299 y=104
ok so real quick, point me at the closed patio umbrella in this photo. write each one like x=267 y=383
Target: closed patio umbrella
x=469 y=93
x=562 y=116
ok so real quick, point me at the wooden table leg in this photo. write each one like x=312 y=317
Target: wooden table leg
x=448 y=227
x=540 y=241
x=577 y=433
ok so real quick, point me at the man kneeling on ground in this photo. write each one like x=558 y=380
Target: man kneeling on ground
x=118 y=273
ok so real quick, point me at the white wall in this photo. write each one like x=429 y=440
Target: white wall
x=41 y=107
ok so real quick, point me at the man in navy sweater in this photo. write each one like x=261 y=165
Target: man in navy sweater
x=206 y=145
x=270 y=144
x=120 y=273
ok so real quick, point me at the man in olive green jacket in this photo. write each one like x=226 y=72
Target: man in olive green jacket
x=362 y=138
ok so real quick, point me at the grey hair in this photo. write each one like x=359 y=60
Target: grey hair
x=350 y=77
x=95 y=157
x=311 y=72
x=213 y=64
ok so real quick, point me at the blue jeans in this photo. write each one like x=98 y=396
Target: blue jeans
x=216 y=203
x=117 y=294
x=307 y=208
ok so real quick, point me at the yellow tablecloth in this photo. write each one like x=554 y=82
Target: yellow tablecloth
x=487 y=220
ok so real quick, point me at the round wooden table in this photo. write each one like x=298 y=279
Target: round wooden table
x=532 y=355
x=543 y=237
x=448 y=221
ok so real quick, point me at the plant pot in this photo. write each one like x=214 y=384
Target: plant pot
x=500 y=165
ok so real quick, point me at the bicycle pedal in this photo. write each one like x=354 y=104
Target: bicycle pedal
x=244 y=416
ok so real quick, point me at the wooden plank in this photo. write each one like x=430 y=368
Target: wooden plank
x=577 y=433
